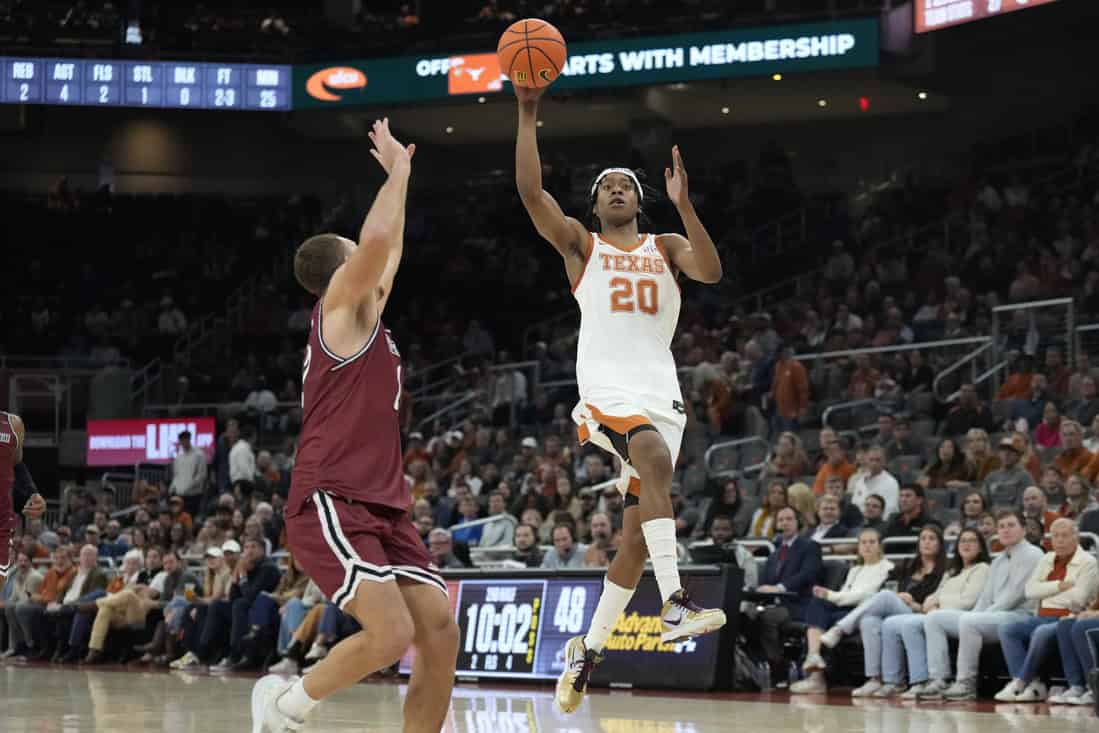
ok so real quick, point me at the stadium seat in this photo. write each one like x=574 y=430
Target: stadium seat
x=921 y=404
x=939 y=499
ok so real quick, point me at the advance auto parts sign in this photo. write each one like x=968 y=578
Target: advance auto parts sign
x=655 y=60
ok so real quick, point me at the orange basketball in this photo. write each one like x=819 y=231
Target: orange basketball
x=532 y=53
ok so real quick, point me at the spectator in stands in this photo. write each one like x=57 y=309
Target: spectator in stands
x=729 y=502
x=762 y=523
x=263 y=617
x=500 y=533
x=1074 y=458
x=1074 y=641
x=87 y=585
x=1020 y=374
x=959 y=590
x=850 y=515
x=974 y=506
x=189 y=474
x=1048 y=432
x=1006 y=484
x=917 y=375
x=790 y=392
x=828 y=606
x=877 y=481
x=800 y=496
x=602 y=536
x=242 y=459
x=22 y=584
x=171 y=321
x=873 y=513
x=788 y=460
x=836 y=465
x=129 y=607
x=792 y=568
x=879 y=617
x=902 y=443
x=255 y=573
x=978 y=453
x=1029 y=457
x=1001 y=602
x=1032 y=408
x=292 y=644
x=1065 y=582
x=949 y=470
x=1036 y=505
x=527 y=550
x=130 y=576
x=30 y=613
x=566 y=552
x=1077 y=498
x=1084 y=369
x=969 y=413
x=1059 y=373
x=1085 y=408
x=441 y=546
x=912 y=517
x=828 y=525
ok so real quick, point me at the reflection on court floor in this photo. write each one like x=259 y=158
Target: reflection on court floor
x=64 y=700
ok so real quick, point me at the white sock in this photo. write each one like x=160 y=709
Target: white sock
x=295 y=703
x=612 y=603
x=660 y=538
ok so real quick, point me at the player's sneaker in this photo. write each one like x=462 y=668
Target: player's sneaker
x=572 y=685
x=266 y=716
x=682 y=618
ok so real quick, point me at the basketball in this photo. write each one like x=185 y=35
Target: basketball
x=532 y=53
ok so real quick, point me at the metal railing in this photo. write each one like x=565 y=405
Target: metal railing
x=971 y=359
x=450 y=410
x=54 y=363
x=735 y=447
x=844 y=406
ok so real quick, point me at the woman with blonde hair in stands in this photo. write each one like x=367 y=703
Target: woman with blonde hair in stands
x=788 y=460
x=875 y=618
x=1077 y=498
x=762 y=523
x=864 y=579
x=979 y=454
x=801 y=497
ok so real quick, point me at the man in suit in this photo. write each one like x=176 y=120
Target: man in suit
x=87 y=585
x=792 y=568
x=829 y=523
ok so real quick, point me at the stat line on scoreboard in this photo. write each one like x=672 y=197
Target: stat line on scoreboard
x=151 y=84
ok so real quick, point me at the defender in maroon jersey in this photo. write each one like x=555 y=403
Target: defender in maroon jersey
x=16 y=488
x=347 y=518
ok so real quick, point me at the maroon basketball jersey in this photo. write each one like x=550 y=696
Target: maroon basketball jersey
x=9 y=444
x=350 y=442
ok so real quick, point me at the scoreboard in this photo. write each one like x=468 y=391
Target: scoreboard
x=157 y=84
x=515 y=626
x=931 y=15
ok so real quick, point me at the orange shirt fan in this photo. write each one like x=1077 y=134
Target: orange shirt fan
x=532 y=53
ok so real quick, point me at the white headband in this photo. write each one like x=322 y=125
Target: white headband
x=624 y=171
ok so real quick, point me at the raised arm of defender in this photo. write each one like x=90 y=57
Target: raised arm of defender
x=367 y=278
x=567 y=235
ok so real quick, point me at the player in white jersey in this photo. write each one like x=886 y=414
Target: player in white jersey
x=630 y=402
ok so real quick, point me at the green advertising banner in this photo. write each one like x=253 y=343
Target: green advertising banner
x=721 y=54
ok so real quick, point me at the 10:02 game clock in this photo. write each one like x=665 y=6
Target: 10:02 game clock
x=501 y=624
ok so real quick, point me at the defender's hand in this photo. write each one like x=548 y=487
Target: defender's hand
x=388 y=151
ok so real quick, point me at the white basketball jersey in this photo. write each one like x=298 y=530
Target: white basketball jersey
x=629 y=306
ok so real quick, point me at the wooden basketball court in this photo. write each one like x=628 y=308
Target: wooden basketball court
x=43 y=699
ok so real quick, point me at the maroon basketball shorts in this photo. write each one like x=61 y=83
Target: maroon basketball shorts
x=7 y=549
x=340 y=544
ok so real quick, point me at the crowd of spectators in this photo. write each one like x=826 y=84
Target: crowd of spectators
x=293 y=28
